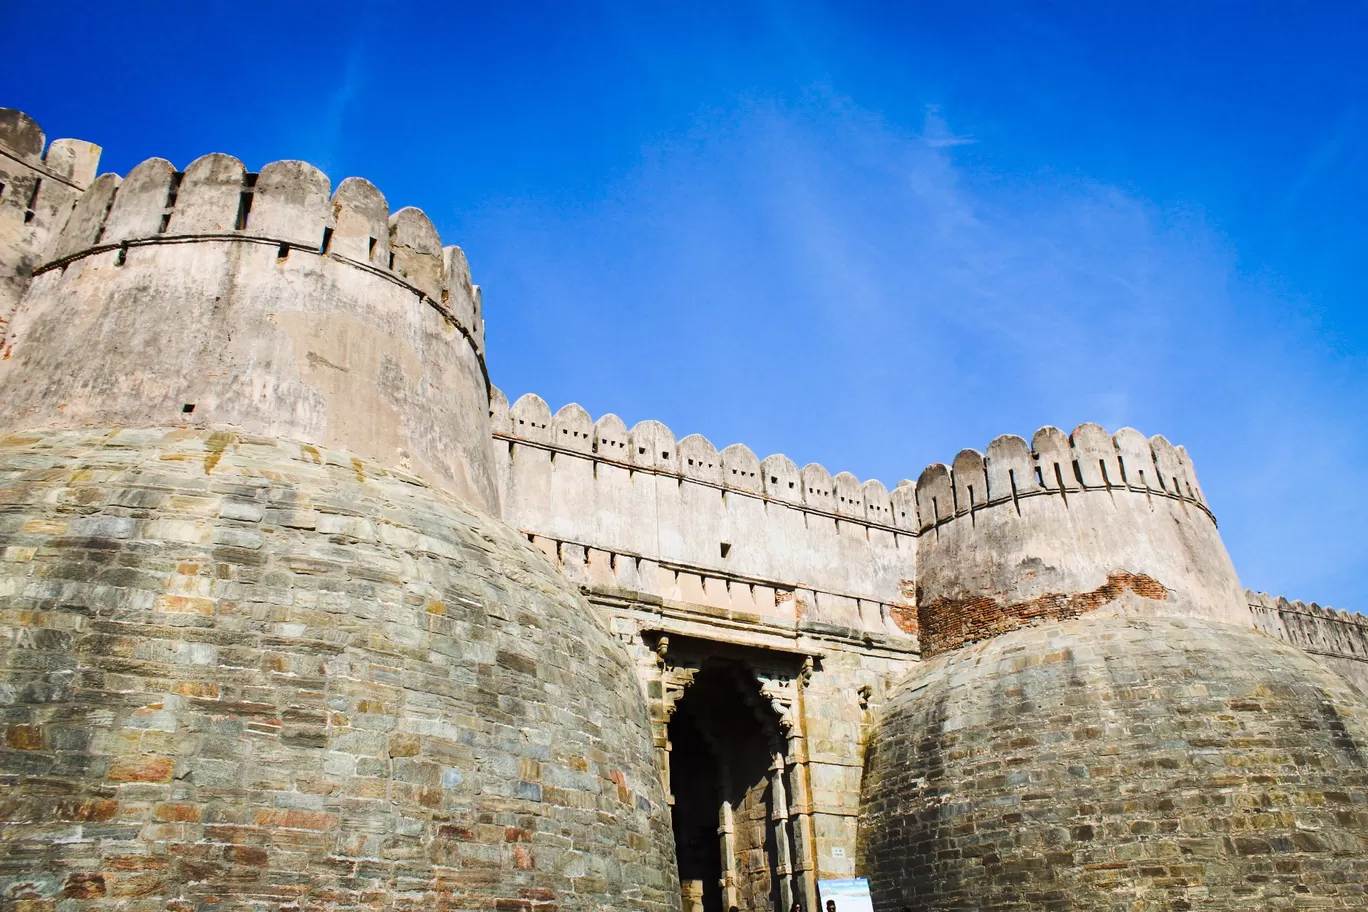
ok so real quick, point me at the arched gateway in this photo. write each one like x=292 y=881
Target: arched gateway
x=729 y=763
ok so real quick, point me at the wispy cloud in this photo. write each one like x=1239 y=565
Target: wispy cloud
x=809 y=278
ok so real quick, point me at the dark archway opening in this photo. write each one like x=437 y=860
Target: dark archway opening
x=728 y=819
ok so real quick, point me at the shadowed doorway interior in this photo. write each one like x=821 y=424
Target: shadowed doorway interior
x=730 y=806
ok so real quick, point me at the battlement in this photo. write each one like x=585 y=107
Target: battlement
x=719 y=528
x=1066 y=525
x=259 y=302
x=650 y=446
x=288 y=205
x=1054 y=464
x=69 y=161
x=1336 y=638
x=39 y=184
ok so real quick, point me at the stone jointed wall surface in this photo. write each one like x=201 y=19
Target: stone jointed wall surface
x=262 y=644
x=682 y=521
x=39 y=185
x=1119 y=764
x=1066 y=525
x=245 y=673
x=218 y=297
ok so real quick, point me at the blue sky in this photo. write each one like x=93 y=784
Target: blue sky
x=863 y=235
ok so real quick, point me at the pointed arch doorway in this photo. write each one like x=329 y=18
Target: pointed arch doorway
x=730 y=792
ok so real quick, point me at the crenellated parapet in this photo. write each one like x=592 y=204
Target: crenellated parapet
x=1068 y=524
x=1054 y=464
x=1337 y=638
x=263 y=302
x=39 y=184
x=650 y=446
x=638 y=508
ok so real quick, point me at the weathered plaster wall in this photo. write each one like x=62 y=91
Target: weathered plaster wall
x=1337 y=639
x=1120 y=763
x=682 y=521
x=38 y=188
x=263 y=303
x=1066 y=525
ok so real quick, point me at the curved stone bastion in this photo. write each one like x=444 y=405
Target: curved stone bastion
x=216 y=297
x=1099 y=726
x=1066 y=525
x=1108 y=763
x=262 y=643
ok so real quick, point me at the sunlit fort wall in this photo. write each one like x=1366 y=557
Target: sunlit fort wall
x=298 y=611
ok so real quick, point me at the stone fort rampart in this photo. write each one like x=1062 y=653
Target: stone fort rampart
x=272 y=304
x=253 y=468
x=1337 y=638
x=39 y=185
x=1067 y=524
x=642 y=510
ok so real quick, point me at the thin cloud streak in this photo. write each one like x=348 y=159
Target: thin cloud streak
x=917 y=307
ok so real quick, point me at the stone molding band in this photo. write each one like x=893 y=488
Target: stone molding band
x=265 y=241
x=700 y=570
x=689 y=479
x=807 y=508
x=41 y=169
x=1064 y=492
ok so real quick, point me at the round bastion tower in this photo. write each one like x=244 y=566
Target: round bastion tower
x=1097 y=725
x=262 y=643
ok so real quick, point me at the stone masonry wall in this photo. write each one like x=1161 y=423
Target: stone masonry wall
x=1116 y=764
x=260 y=302
x=1087 y=522
x=828 y=711
x=238 y=672
x=39 y=186
x=680 y=520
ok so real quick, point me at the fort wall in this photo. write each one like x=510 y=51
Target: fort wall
x=39 y=185
x=637 y=509
x=1336 y=638
x=264 y=303
x=1066 y=525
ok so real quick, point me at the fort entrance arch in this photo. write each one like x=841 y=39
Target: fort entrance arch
x=730 y=764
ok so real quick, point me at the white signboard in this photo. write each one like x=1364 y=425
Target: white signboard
x=850 y=895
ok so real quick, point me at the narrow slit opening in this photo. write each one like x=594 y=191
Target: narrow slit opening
x=29 y=211
x=172 y=191
x=1011 y=479
x=324 y=247
x=121 y=256
x=104 y=219
x=282 y=252
x=245 y=200
x=1059 y=477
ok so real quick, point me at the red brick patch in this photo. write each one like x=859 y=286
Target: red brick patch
x=947 y=624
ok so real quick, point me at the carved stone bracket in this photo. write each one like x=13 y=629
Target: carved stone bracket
x=675 y=680
x=781 y=691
